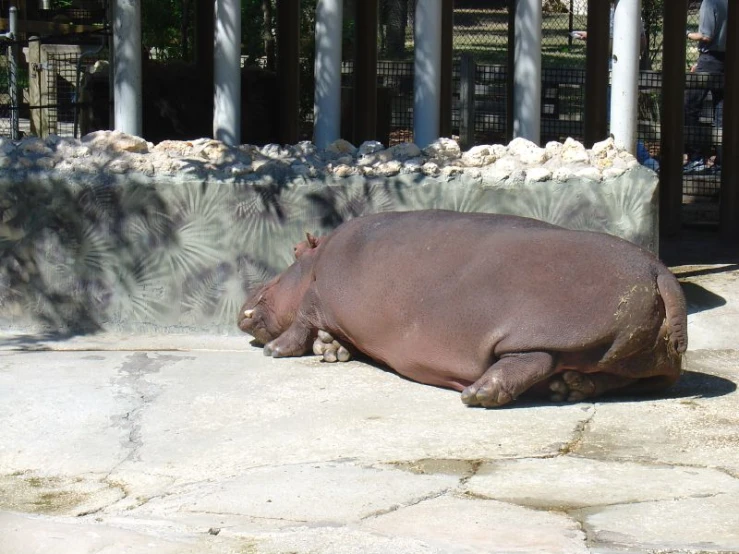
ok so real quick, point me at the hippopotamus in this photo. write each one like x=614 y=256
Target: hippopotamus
x=493 y=306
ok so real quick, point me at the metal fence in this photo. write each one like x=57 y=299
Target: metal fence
x=479 y=31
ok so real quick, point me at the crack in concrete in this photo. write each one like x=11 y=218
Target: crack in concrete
x=578 y=435
x=397 y=507
x=132 y=377
x=261 y=518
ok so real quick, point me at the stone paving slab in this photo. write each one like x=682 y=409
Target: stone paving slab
x=203 y=445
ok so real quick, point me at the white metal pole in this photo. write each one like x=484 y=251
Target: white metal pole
x=327 y=69
x=13 y=74
x=527 y=71
x=227 y=72
x=427 y=72
x=625 y=87
x=127 y=99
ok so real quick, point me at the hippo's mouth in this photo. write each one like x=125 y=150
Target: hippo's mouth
x=252 y=323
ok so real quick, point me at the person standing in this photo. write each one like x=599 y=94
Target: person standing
x=711 y=39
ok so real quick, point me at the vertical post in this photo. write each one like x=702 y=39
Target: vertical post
x=729 y=206
x=227 y=72
x=127 y=96
x=467 y=101
x=596 y=76
x=625 y=88
x=365 y=71
x=447 y=57
x=36 y=76
x=13 y=77
x=288 y=69
x=427 y=72
x=672 y=117
x=527 y=70
x=327 y=72
x=570 y=22
x=511 y=60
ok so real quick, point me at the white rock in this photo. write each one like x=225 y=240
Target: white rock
x=34 y=146
x=449 y=171
x=535 y=156
x=217 y=152
x=563 y=173
x=508 y=165
x=343 y=170
x=240 y=169
x=443 y=149
x=404 y=151
x=341 y=146
x=605 y=148
x=520 y=147
x=591 y=173
x=174 y=147
x=613 y=172
x=389 y=169
x=45 y=162
x=574 y=152
x=276 y=151
x=553 y=148
x=305 y=148
x=479 y=156
x=370 y=147
x=431 y=169
x=414 y=165
x=537 y=174
x=116 y=141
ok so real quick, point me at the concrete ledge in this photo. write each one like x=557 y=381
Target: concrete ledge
x=99 y=238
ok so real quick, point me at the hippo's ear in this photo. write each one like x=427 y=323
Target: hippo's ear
x=312 y=241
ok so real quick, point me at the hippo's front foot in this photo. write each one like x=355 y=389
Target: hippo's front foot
x=293 y=342
x=330 y=349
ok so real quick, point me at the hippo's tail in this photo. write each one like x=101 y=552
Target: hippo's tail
x=676 y=311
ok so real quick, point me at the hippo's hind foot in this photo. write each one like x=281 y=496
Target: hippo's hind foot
x=330 y=349
x=507 y=378
x=573 y=386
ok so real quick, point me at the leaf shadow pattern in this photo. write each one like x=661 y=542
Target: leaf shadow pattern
x=82 y=252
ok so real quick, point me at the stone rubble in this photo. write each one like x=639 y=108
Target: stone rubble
x=121 y=153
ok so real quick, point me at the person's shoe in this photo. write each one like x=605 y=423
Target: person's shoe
x=696 y=166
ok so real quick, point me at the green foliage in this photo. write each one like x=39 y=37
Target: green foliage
x=161 y=26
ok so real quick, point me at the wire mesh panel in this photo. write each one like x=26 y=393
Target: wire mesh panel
x=11 y=106
x=562 y=104
x=560 y=19
x=397 y=77
x=4 y=91
x=481 y=29
x=649 y=104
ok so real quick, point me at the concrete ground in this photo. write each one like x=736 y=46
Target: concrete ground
x=202 y=445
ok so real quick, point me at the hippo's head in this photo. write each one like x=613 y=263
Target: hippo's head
x=271 y=309
x=257 y=316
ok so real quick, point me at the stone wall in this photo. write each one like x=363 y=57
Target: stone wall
x=113 y=233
